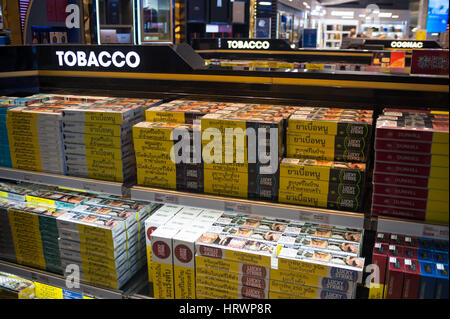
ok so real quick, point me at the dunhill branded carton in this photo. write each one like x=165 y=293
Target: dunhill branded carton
x=379 y=258
x=394 y=278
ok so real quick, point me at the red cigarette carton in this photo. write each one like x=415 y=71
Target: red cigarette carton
x=411 y=279
x=410 y=252
x=411 y=192
x=382 y=238
x=410 y=203
x=411 y=147
x=380 y=210
x=411 y=181
x=411 y=170
x=379 y=258
x=396 y=239
x=411 y=241
x=394 y=278
x=411 y=159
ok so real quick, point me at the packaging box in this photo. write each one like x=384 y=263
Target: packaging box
x=425 y=255
x=441 y=281
x=411 y=280
x=426 y=243
x=427 y=280
x=410 y=203
x=324 y=191
x=324 y=294
x=411 y=147
x=342 y=203
x=335 y=172
x=305 y=292
x=240 y=292
x=300 y=151
x=98 y=162
x=411 y=159
x=303 y=279
x=99 y=152
x=410 y=252
x=104 y=114
x=236 y=249
x=160 y=131
x=321 y=244
x=379 y=258
x=440 y=245
x=120 y=174
x=327 y=121
x=231 y=267
x=411 y=170
x=212 y=275
x=411 y=192
x=440 y=258
x=326 y=141
x=394 y=278
x=321 y=264
x=93 y=141
x=93 y=250
x=96 y=128
x=379 y=210
x=398 y=131
x=162 y=262
x=13 y=287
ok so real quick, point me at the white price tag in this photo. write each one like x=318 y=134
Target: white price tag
x=394 y=237
x=440 y=266
x=408 y=239
x=238 y=207
x=435 y=231
x=321 y=218
x=408 y=262
x=167 y=198
x=392 y=259
x=380 y=235
x=391 y=247
x=377 y=245
x=90 y=187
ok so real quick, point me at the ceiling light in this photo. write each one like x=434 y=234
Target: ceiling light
x=385 y=14
x=362 y=15
x=395 y=16
x=347 y=17
x=265 y=3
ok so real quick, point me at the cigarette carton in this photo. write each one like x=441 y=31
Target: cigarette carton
x=440 y=258
x=411 y=192
x=411 y=280
x=99 y=152
x=231 y=267
x=427 y=280
x=205 y=276
x=300 y=151
x=333 y=172
x=92 y=141
x=324 y=294
x=321 y=264
x=342 y=203
x=411 y=158
x=96 y=128
x=394 y=278
x=379 y=258
x=411 y=170
x=305 y=292
x=303 y=279
x=440 y=246
x=441 y=281
x=411 y=147
x=239 y=293
x=105 y=114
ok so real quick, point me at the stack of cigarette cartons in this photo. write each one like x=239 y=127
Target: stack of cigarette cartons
x=329 y=134
x=239 y=164
x=98 y=140
x=13 y=287
x=7 y=250
x=35 y=235
x=245 y=256
x=35 y=137
x=105 y=239
x=159 y=218
x=410 y=267
x=327 y=184
x=412 y=165
x=169 y=279
x=159 y=160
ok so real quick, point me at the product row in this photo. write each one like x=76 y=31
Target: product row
x=309 y=156
x=410 y=267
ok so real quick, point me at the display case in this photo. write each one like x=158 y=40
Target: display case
x=155 y=21
x=115 y=21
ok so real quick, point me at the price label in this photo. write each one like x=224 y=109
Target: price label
x=28 y=177
x=167 y=198
x=44 y=291
x=90 y=187
x=314 y=217
x=435 y=231
x=238 y=207
x=310 y=66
